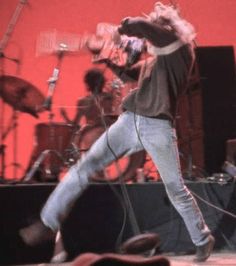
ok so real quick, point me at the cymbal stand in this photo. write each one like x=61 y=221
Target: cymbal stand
x=3 y=43
x=2 y=112
x=12 y=126
x=2 y=145
x=15 y=163
x=52 y=81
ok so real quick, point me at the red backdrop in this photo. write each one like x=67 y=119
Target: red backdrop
x=214 y=20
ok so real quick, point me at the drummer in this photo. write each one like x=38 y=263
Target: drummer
x=97 y=106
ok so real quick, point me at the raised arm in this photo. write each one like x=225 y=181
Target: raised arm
x=125 y=73
x=142 y=28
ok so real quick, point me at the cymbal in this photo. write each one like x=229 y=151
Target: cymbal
x=21 y=94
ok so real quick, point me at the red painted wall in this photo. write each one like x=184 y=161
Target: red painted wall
x=214 y=20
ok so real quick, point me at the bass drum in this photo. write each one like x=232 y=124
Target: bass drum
x=125 y=167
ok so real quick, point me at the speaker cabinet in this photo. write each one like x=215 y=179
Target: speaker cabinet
x=190 y=132
x=206 y=116
x=216 y=66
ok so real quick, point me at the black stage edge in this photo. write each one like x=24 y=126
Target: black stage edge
x=96 y=221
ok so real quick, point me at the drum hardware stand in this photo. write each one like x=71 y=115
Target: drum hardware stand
x=55 y=76
x=3 y=44
x=47 y=105
x=12 y=126
x=2 y=145
x=2 y=153
x=15 y=164
x=29 y=176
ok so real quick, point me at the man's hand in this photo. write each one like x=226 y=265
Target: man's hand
x=130 y=26
x=123 y=24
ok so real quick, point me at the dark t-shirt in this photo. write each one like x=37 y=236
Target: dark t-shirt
x=161 y=81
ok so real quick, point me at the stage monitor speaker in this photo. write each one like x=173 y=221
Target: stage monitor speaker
x=216 y=67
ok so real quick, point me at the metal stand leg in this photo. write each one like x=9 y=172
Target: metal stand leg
x=29 y=176
x=2 y=153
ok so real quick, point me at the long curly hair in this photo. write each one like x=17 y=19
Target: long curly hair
x=169 y=17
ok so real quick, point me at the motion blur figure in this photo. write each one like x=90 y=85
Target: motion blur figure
x=96 y=99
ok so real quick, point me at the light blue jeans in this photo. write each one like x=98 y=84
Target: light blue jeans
x=130 y=133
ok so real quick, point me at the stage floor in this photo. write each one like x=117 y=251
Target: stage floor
x=95 y=222
x=216 y=259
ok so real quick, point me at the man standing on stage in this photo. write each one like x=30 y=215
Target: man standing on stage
x=146 y=123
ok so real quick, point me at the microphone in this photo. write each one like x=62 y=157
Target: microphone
x=134 y=49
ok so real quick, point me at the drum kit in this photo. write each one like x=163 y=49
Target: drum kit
x=21 y=95
x=58 y=145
